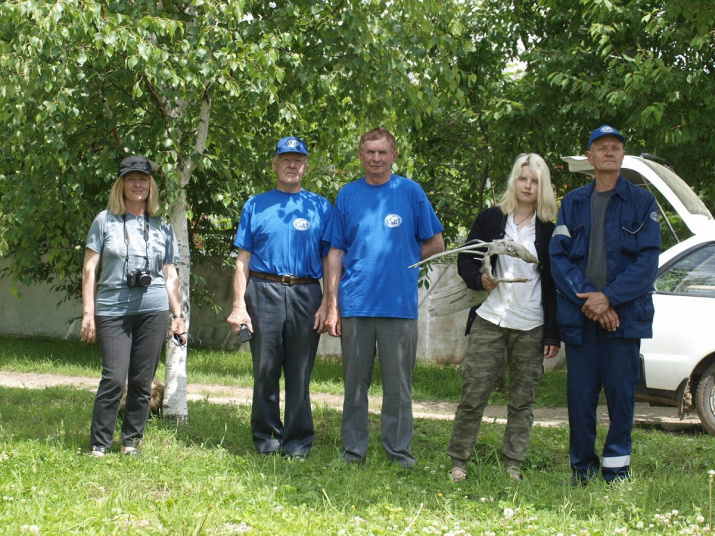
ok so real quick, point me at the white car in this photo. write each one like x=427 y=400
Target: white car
x=678 y=363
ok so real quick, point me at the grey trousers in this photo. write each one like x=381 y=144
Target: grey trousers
x=283 y=341
x=488 y=346
x=396 y=342
x=130 y=347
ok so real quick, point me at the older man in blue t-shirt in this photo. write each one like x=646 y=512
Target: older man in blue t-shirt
x=382 y=224
x=277 y=297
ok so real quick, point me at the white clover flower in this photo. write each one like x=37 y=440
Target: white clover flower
x=34 y=529
x=675 y=512
x=508 y=513
x=700 y=519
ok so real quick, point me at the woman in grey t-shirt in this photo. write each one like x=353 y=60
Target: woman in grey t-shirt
x=126 y=306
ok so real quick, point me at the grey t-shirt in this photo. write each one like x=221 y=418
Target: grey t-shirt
x=596 y=271
x=106 y=237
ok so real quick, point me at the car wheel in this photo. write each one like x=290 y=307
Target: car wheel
x=705 y=399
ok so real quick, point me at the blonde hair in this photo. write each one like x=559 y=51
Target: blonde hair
x=116 y=198
x=546 y=206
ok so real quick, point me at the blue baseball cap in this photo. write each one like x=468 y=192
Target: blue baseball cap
x=291 y=144
x=605 y=130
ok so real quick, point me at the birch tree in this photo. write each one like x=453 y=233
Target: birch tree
x=203 y=89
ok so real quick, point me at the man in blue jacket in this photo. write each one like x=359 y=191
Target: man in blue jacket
x=604 y=259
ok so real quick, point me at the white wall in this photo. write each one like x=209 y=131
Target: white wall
x=36 y=313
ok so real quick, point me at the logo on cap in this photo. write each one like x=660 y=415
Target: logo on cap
x=292 y=143
x=607 y=129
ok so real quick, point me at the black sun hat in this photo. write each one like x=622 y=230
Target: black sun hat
x=134 y=163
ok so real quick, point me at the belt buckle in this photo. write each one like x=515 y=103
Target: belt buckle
x=287 y=279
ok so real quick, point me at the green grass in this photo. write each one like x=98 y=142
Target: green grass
x=71 y=357
x=205 y=478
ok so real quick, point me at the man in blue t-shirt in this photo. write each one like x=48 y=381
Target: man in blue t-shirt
x=382 y=224
x=277 y=298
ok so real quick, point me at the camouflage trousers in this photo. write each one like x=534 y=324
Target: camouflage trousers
x=488 y=347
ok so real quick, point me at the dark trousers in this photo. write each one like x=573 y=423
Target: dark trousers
x=611 y=364
x=130 y=347
x=283 y=341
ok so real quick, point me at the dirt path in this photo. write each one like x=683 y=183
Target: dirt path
x=221 y=394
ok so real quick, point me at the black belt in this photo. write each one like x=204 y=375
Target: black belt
x=284 y=279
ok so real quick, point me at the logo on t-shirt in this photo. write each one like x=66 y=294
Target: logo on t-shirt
x=393 y=220
x=301 y=224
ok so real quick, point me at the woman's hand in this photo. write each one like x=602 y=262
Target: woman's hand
x=178 y=327
x=550 y=351
x=488 y=283
x=88 y=331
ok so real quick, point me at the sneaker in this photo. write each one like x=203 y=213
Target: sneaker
x=98 y=452
x=130 y=451
x=513 y=472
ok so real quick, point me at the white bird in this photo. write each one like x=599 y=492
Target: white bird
x=457 y=297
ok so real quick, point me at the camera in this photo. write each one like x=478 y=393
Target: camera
x=139 y=278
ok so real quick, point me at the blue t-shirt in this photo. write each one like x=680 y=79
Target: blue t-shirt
x=121 y=254
x=381 y=229
x=285 y=233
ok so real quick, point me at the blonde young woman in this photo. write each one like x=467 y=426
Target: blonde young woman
x=126 y=309
x=517 y=321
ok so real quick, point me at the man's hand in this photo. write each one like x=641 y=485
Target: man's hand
x=333 y=322
x=321 y=315
x=488 y=283
x=596 y=305
x=609 y=320
x=237 y=318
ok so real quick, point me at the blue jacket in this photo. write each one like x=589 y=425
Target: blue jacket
x=632 y=249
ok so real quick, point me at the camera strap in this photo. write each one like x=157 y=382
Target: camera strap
x=146 y=242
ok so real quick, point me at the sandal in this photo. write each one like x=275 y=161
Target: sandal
x=513 y=472
x=458 y=474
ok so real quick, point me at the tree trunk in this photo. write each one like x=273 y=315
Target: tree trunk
x=175 y=403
